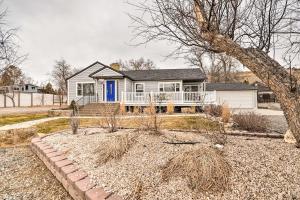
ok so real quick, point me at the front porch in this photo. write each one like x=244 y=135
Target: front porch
x=159 y=98
x=163 y=98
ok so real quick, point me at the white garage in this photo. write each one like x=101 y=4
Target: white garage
x=235 y=95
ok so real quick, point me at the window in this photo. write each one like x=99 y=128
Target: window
x=85 y=89
x=139 y=89
x=191 y=88
x=169 y=87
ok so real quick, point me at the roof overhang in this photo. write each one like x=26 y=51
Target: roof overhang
x=107 y=73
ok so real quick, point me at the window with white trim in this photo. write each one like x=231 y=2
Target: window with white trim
x=139 y=89
x=191 y=88
x=169 y=87
x=85 y=89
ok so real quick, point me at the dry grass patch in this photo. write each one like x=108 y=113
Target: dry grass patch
x=114 y=148
x=16 y=136
x=205 y=169
x=13 y=119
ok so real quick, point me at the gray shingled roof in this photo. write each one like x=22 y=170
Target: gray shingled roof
x=229 y=87
x=165 y=74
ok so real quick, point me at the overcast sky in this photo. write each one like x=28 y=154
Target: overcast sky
x=79 y=31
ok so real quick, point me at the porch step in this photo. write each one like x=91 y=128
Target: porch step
x=98 y=109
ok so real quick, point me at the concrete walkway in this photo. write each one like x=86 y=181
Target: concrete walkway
x=27 y=124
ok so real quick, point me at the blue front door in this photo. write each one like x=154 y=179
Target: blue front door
x=110 y=90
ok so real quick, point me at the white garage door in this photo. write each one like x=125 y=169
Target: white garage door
x=238 y=99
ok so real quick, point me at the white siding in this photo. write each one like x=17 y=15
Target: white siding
x=238 y=99
x=81 y=77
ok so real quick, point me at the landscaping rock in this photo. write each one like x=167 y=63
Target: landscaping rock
x=289 y=137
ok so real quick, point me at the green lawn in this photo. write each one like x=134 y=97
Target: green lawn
x=13 y=119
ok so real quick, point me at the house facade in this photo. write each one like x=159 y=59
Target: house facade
x=100 y=83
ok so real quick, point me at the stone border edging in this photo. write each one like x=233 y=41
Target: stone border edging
x=74 y=180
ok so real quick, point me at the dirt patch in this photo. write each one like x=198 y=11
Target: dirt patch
x=24 y=177
x=261 y=168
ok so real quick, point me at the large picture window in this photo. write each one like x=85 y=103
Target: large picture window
x=169 y=87
x=85 y=89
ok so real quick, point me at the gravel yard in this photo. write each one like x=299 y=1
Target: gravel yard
x=24 y=177
x=261 y=168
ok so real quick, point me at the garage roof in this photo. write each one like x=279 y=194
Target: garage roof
x=229 y=86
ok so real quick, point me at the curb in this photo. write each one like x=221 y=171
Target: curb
x=74 y=180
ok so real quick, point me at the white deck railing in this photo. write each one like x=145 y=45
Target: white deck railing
x=141 y=98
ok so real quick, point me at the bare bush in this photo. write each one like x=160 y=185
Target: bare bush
x=220 y=136
x=154 y=124
x=251 y=121
x=110 y=118
x=114 y=148
x=205 y=169
x=74 y=123
x=213 y=110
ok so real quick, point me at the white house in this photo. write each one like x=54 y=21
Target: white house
x=99 y=83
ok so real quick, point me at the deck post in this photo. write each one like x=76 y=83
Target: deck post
x=96 y=92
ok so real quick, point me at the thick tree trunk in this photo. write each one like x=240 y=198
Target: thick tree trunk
x=270 y=72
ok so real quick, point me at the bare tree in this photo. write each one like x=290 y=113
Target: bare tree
x=218 y=67
x=137 y=64
x=9 y=49
x=60 y=73
x=242 y=29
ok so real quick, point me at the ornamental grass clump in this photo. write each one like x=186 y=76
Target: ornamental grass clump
x=114 y=148
x=205 y=169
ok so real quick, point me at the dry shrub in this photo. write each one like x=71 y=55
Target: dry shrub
x=137 y=192
x=170 y=107
x=114 y=148
x=154 y=123
x=219 y=137
x=111 y=119
x=251 y=121
x=213 y=110
x=189 y=110
x=122 y=109
x=137 y=110
x=16 y=136
x=151 y=109
x=225 y=113
x=205 y=169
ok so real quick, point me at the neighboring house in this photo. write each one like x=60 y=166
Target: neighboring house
x=235 y=95
x=100 y=83
x=30 y=88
